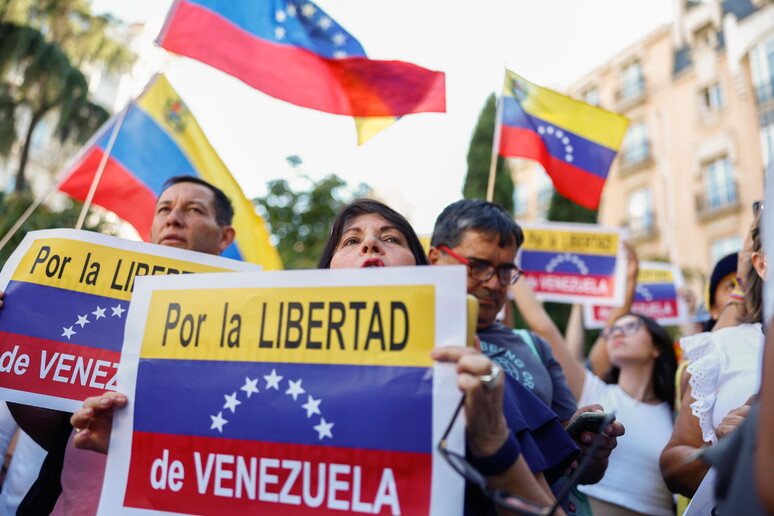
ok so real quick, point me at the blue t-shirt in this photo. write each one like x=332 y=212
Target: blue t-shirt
x=538 y=371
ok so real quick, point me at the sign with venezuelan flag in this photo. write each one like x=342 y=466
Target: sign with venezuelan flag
x=575 y=142
x=67 y=293
x=158 y=139
x=303 y=392
x=656 y=295
x=574 y=263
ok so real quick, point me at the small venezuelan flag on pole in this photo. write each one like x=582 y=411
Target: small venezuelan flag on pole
x=574 y=141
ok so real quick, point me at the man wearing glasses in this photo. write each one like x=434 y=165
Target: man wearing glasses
x=483 y=236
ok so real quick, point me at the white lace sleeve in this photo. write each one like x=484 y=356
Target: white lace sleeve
x=704 y=368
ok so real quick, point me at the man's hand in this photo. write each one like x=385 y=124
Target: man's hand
x=95 y=421
x=734 y=418
x=609 y=440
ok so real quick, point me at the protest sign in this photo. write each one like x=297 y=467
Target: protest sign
x=655 y=296
x=66 y=297
x=303 y=392
x=574 y=263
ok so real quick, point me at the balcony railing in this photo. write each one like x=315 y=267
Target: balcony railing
x=764 y=93
x=710 y=204
x=631 y=90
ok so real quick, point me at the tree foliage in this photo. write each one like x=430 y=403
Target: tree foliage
x=299 y=220
x=479 y=159
x=12 y=206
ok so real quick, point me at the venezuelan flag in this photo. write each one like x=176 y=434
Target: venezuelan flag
x=574 y=141
x=293 y=51
x=158 y=139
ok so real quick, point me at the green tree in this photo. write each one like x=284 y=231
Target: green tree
x=299 y=220
x=43 y=45
x=479 y=159
x=13 y=205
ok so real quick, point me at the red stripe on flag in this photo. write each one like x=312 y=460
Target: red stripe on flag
x=572 y=182
x=119 y=191
x=56 y=368
x=573 y=284
x=350 y=86
x=230 y=476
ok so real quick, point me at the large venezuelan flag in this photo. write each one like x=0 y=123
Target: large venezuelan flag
x=316 y=399
x=292 y=50
x=159 y=139
x=574 y=141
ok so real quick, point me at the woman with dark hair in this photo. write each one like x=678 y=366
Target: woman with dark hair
x=640 y=389
x=368 y=233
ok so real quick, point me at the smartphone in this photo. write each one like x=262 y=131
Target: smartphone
x=587 y=422
x=472 y=321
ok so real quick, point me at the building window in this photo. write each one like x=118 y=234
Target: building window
x=545 y=190
x=635 y=144
x=520 y=201
x=719 y=184
x=632 y=83
x=640 y=212
x=720 y=248
x=591 y=96
x=711 y=99
x=767 y=144
x=762 y=68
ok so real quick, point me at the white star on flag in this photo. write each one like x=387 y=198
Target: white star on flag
x=67 y=332
x=338 y=39
x=312 y=406
x=250 y=386
x=323 y=429
x=339 y=54
x=118 y=310
x=279 y=32
x=82 y=321
x=325 y=23
x=280 y=16
x=99 y=312
x=218 y=422
x=231 y=402
x=295 y=389
x=272 y=380
x=308 y=10
x=291 y=9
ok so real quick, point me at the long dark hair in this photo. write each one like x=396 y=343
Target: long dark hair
x=363 y=207
x=665 y=367
x=753 y=283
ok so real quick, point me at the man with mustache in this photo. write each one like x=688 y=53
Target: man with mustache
x=189 y=214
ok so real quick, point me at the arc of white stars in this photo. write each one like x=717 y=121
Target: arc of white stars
x=272 y=380
x=295 y=389
x=83 y=320
x=231 y=402
x=218 y=422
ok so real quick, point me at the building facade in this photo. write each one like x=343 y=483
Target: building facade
x=699 y=94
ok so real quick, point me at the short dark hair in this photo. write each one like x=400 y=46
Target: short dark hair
x=224 y=211
x=665 y=367
x=475 y=215
x=363 y=207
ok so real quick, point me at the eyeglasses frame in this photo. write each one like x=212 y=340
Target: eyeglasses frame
x=495 y=270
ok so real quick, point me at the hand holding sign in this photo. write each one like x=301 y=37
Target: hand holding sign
x=94 y=421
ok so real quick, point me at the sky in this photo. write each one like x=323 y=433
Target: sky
x=418 y=165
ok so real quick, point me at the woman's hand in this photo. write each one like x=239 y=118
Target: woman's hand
x=95 y=421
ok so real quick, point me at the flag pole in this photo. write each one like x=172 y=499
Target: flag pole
x=101 y=167
x=495 y=148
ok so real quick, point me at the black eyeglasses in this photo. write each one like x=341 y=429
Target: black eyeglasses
x=626 y=329
x=514 y=503
x=481 y=270
x=757 y=207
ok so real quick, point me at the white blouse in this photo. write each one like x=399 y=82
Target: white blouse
x=725 y=369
